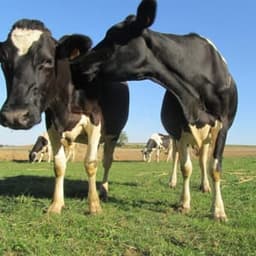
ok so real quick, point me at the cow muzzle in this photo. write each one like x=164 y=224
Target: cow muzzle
x=18 y=119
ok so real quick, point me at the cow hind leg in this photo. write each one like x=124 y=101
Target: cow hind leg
x=215 y=171
x=109 y=147
x=203 y=162
x=175 y=159
x=186 y=169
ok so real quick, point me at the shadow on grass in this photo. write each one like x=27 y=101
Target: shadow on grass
x=20 y=161
x=41 y=187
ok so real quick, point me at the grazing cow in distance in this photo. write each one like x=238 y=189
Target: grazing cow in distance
x=194 y=72
x=156 y=143
x=39 y=79
x=41 y=148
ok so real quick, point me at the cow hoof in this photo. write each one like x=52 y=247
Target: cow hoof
x=205 y=189
x=221 y=217
x=103 y=194
x=55 y=208
x=183 y=210
x=95 y=208
x=172 y=185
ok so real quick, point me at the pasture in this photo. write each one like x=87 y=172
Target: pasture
x=138 y=219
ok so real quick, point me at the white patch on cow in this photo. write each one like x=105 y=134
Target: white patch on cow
x=24 y=38
x=215 y=47
x=200 y=134
x=93 y=132
x=156 y=138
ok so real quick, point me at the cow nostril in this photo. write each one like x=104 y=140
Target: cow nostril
x=25 y=115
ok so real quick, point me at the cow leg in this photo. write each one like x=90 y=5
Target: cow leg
x=169 y=153
x=68 y=153
x=203 y=162
x=157 y=155
x=186 y=169
x=215 y=171
x=72 y=152
x=49 y=153
x=109 y=147
x=175 y=159
x=149 y=157
x=41 y=157
x=90 y=163
x=59 y=170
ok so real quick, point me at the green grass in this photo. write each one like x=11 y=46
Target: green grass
x=138 y=219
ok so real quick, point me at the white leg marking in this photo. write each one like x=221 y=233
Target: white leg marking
x=175 y=159
x=94 y=133
x=218 y=205
x=169 y=152
x=186 y=169
x=59 y=169
x=203 y=162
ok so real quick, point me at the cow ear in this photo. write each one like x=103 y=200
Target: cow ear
x=146 y=13
x=72 y=46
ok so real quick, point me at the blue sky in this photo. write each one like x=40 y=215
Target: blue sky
x=229 y=24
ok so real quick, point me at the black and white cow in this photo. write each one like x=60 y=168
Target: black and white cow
x=203 y=153
x=41 y=149
x=156 y=143
x=38 y=79
x=204 y=94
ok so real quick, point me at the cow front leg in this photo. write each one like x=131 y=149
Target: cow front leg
x=91 y=167
x=59 y=170
x=186 y=169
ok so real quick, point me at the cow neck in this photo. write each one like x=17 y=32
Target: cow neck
x=61 y=100
x=166 y=69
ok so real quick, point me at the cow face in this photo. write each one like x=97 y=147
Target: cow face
x=146 y=154
x=121 y=54
x=29 y=63
x=27 y=60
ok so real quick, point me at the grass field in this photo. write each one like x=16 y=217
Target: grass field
x=138 y=219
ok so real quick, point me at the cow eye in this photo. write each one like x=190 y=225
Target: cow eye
x=48 y=63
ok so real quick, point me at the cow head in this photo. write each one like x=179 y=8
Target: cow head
x=121 y=54
x=146 y=154
x=29 y=63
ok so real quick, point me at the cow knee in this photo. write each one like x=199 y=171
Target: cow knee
x=186 y=168
x=91 y=168
x=215 y=171
x=59 y=166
